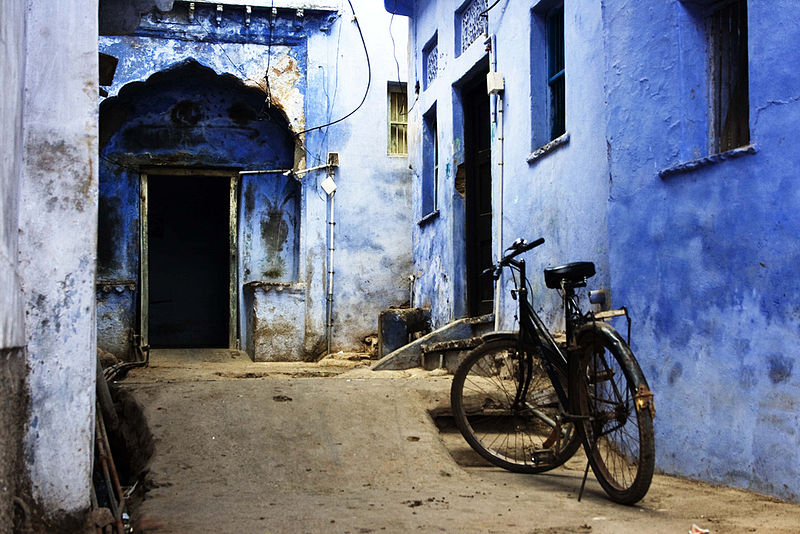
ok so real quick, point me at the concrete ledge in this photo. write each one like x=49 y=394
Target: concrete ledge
x=410 y=356
x=713 y=159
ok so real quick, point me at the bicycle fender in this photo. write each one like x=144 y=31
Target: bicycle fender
x=643 y=396
x=505 y=334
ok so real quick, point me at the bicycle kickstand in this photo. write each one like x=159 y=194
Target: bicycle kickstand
x=583 y=482
x=589 y=455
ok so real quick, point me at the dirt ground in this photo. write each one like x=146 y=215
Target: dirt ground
x=242 y=447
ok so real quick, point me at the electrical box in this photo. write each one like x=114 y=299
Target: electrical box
x=333 y=159
x=495 y=83
x=328 y=185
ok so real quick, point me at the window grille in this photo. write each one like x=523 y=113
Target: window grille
x=555 y=71
x=472 y=23
x=431 y=56
x=729 y=72
x=398 y=120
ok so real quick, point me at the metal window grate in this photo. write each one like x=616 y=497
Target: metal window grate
x=473 y=24
x=398 y=120
x=431 y=64
x=729 y=68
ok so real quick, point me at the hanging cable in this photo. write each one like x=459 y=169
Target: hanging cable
x=394 y=47
x=485 y=11
x=369 y=79
x=272 y=14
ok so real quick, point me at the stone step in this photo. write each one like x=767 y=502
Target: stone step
x=447 y=354
x=410 y=355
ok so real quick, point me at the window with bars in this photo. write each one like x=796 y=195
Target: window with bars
x=430 y=164
x=470 y=24
x=398 y=119
x=555 y=70
x=430 y=61
x=730 y=101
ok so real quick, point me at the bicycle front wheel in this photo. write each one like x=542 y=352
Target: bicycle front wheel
x=612 y=395
x=524 y=435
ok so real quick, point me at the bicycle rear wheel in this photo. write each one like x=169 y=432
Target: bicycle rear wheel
x=610 y=391
x=526 y=438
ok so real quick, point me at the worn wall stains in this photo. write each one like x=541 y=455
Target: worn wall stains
x=187 y=115
x=701 y=248
x=285 y=89
x=706 y=258
x=151 y=119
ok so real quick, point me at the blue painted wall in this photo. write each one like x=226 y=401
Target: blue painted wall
x=559 y=196
x=190 y=116
x=705 y=258
x=282 y=221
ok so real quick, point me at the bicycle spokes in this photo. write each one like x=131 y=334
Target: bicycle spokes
x=506 y=408
x=618 y=436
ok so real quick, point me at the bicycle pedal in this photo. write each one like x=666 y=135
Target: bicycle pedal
x=543 y=456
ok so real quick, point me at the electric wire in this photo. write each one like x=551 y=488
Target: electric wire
x=394 y=46
x=369 y=79
x=485 y=11
x=269 y=53
x=330 y=101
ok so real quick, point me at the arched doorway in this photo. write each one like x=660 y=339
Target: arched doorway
x=180 y=230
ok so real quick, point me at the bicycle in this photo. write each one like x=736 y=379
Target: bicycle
x=526 y=403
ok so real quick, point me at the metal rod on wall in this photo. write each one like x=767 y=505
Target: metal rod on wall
x=331 y=249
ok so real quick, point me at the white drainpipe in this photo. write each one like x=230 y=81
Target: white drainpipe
x=330 y=187
x=498 y=105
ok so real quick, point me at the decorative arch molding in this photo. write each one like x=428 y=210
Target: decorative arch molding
x=184 y=106
x=188 y=120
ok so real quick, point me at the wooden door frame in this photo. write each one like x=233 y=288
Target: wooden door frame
x=144 y=257
x=473 y=282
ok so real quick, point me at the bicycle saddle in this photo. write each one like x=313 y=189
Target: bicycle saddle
x=574 y=273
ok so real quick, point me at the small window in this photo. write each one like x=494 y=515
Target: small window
x=548 y=86
x=730 y=101
x=430 y=61
x=555 y=70
x=471 y=24
x=398 y=119
x=430 y=164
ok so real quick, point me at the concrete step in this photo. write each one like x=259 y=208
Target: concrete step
x=447 y=354
x=410 y=355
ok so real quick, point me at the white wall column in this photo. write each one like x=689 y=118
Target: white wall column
x=57 y=247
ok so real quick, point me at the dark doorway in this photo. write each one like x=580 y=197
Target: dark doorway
x=478 y=231
x=188 y=261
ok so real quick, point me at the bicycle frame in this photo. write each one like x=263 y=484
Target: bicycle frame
x=594 y=376
x=533 y=332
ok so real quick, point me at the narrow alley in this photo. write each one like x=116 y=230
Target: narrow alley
x=335 y=447
x=211 y=210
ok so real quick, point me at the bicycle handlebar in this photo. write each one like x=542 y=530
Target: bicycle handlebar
x=518 y=247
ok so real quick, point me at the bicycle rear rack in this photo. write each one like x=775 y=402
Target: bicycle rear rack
x=610 y=314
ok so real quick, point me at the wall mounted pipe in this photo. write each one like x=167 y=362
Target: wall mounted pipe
x=331 y=249
x=498 y=105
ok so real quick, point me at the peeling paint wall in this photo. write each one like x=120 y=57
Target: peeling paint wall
x=372 y=260
x=190 y=116
x=282 y=222
x=57 y=250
